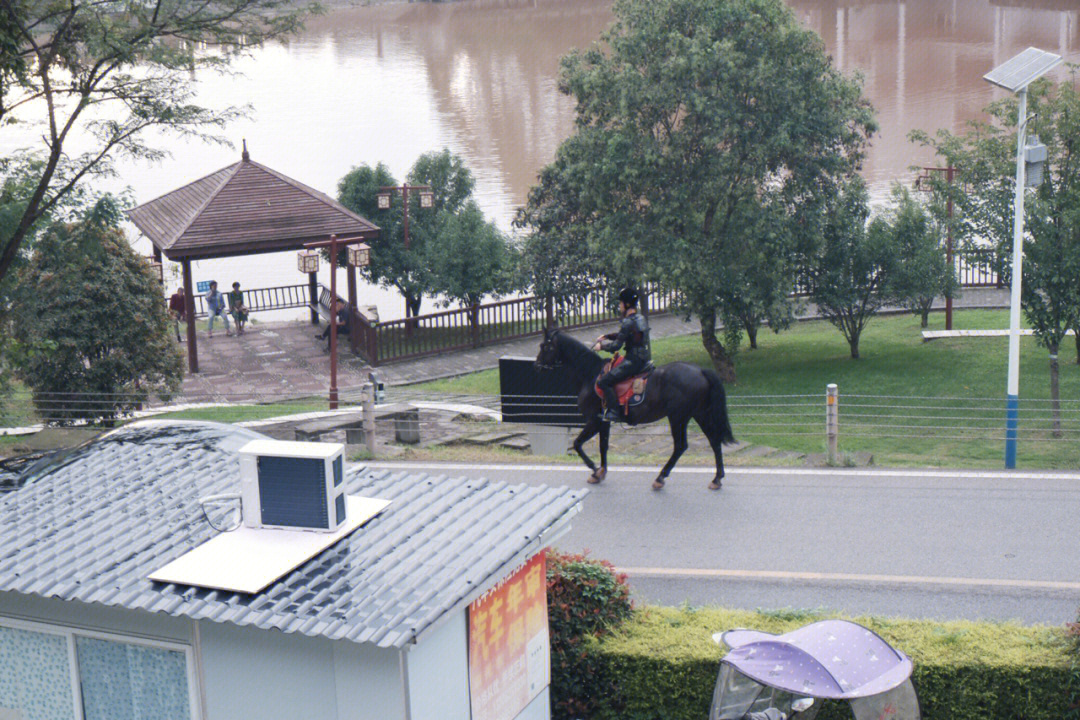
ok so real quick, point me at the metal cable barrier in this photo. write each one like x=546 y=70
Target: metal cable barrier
x=959 y=426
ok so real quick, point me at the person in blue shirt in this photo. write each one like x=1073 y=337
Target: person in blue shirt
x=216 y=307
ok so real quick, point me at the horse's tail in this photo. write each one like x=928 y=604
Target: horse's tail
x=718 y=416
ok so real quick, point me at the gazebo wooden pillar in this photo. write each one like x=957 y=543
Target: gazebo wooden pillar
x=313 y=294
x=189 y=315
x=244 y=209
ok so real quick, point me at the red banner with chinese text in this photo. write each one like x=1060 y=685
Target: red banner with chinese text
x=509 y=660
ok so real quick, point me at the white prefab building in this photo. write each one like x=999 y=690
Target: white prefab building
x=374 y=627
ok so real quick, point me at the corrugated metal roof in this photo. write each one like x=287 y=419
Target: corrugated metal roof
x=92 y=526
x=244 y=208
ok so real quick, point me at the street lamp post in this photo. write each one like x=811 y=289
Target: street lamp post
x=358 y=254
x=1015 y=76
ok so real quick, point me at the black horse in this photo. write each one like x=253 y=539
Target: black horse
x=678 y=391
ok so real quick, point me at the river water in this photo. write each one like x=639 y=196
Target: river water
x=385 y=83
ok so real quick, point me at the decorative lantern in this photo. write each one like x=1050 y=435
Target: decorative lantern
x=307 y=261
x=384 y=201
x=359 y=255
x=427 y=199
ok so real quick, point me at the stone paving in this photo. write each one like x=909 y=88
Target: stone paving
x=268 y=362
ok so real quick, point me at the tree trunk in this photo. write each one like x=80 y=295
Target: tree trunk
x=1076 y=332
x=721 y=360
x=412 y=309
x=924 y=312
x=853 y=342
x=751 y=332
x=1055 y=393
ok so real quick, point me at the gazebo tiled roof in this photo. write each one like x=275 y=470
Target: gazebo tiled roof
x=243 y=209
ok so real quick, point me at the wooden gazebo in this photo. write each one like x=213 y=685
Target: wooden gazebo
x=243 y=209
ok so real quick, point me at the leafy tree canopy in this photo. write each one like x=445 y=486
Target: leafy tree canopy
x=453 y=251
x=470 y=257
x=103 y=72
x=91 y=327
x=691 y=116
x=921 y=273
x=849 y=278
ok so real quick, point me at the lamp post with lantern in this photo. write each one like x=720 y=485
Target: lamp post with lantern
x=359 y=255
x=427 y=200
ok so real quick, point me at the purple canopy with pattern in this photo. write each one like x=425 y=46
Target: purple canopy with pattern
x=832 y=659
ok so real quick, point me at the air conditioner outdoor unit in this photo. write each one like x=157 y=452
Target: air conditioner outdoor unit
x=292 y=485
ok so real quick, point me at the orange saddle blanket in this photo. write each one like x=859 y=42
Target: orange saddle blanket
x=631 y=391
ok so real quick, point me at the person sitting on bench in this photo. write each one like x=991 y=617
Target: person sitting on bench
x=342 y=323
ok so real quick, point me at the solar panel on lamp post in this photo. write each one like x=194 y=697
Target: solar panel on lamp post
x=1015 y=76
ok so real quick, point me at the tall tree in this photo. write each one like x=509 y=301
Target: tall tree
x=985 y=155
x=850 y=276
x=558 y=260
x=470 y=257
x=921 y=273
x=106 y=71
x=93 y=333
x=392 y=264
x=453 y=224
x=689 y=113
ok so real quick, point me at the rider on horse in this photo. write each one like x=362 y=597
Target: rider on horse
x=634 y=334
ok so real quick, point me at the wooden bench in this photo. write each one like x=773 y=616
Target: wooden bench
x=323 y=305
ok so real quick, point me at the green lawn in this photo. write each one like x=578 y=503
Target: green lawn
x=959 y=423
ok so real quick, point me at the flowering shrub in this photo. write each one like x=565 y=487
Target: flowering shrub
x=586 y=598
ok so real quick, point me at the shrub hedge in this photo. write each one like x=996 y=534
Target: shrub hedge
x=665 y=664
x=586 y=599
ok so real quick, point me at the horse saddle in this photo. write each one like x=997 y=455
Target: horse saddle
x=631 y=391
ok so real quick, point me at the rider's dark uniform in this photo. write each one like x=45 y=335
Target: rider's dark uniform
x=634 y=334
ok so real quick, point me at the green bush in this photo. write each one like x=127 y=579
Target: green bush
x=664 y=665
x=586 y=599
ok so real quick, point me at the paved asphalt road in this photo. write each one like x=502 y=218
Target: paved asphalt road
x=920 y=543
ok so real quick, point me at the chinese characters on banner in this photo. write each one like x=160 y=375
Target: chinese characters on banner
x=508 y=644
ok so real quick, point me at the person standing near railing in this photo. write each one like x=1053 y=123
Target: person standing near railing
x=178 y=310
x=215 y=307
x=237 y=308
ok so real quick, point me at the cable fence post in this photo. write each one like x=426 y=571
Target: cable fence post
x=367 y=400
x=832 y=421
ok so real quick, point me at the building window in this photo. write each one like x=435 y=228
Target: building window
x=56 y=673
x=35 y=675
x=131 y=682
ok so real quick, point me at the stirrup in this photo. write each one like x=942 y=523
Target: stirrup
x=610 y=416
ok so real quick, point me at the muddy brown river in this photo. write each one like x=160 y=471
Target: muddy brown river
x=388 y=82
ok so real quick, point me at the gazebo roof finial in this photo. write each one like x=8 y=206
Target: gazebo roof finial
x=244 y=155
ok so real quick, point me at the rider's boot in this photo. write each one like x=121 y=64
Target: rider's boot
x=609 y=416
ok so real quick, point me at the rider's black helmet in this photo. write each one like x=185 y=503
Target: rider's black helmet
x=628 y=297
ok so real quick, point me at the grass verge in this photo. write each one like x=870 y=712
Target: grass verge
x=960 y=423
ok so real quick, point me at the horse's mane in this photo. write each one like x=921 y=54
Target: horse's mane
x=577 y=355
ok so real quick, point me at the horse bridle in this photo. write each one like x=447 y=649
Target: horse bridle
x=549 y=341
